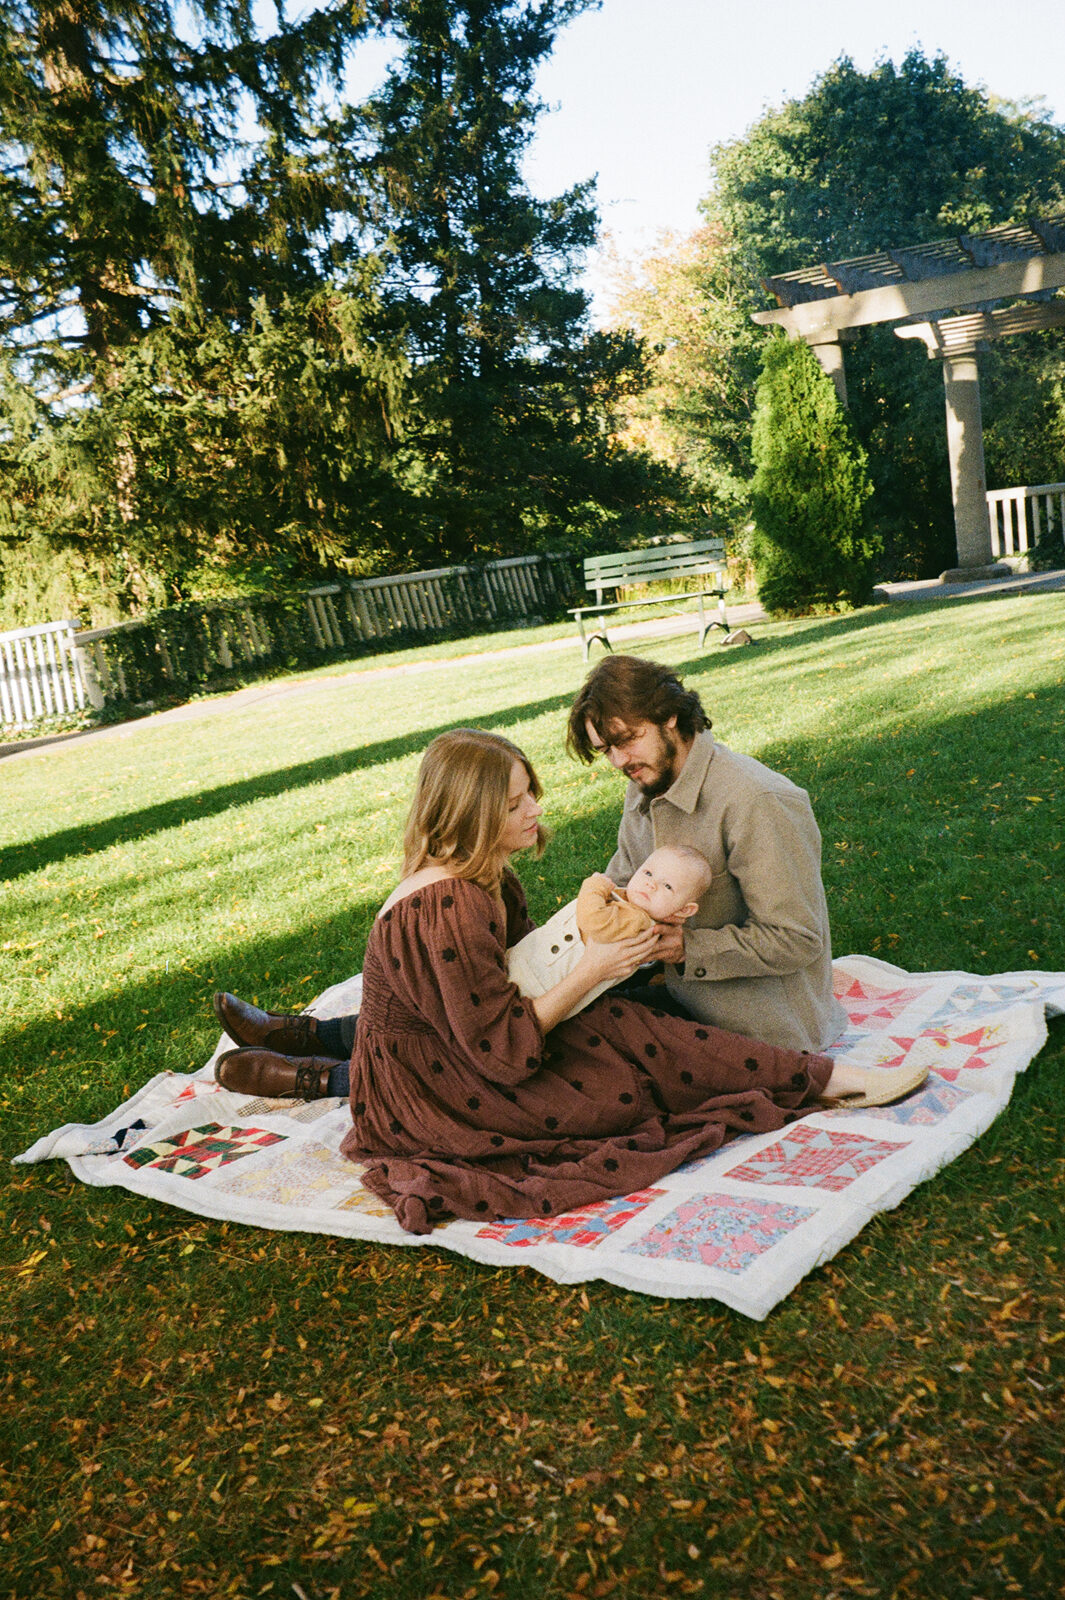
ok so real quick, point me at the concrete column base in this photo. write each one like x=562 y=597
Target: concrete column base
x=997 y=569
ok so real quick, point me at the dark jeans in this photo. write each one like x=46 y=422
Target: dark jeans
x=640 y=988
x=336 y=1036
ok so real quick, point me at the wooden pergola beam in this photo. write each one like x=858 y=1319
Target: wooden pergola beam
x=820 y=321
x=951 y=334
x=921 y=287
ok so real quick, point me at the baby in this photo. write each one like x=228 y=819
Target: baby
x=667 y=889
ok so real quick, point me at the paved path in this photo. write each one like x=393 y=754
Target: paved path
x=663 y=627
x=934 y=589
x=286 y=688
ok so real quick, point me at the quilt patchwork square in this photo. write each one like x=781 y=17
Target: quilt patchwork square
x=295 y=1110
x=984 y=999
x=587 y=1227
x=195 y=1152
x=816 y=1158
x=866 y=1002
x=196 y=1088
x=948 y=1054
x=936 y=1100
x=301 y=1176
x=113 y=1144
x=364 y=1201
x=720 y=1230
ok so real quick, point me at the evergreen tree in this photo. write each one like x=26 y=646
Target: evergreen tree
x=152 y=250
x=515 y=442
x=812 y=548
x=127 y=189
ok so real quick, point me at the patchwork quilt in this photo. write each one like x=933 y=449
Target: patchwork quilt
x=742 y=1226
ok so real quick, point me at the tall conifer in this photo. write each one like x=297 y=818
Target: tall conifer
x=514 y=393
x=813 y=547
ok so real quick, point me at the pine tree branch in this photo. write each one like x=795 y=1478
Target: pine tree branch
x=70 y=393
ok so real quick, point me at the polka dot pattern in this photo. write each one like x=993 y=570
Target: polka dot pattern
x=456 y=1023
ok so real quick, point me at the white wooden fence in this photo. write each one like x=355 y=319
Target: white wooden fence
x=445 y=597
x=39 y=674
x=55 y=668
x=1023 y=517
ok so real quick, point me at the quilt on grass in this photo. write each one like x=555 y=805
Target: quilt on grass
x=742 y=1226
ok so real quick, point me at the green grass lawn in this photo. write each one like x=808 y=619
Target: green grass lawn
x=199 y=1409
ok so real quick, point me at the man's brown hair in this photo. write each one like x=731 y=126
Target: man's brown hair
x=628 y=690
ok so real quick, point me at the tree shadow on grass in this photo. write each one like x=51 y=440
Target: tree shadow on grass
x=828 y=631
x=935 y=856
x=923 y=865
x=88 y=838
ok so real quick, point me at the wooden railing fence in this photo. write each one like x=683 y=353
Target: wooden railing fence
x=1023 y=517
x=190 y=645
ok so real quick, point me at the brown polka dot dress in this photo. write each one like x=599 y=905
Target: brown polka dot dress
x=462 y=1108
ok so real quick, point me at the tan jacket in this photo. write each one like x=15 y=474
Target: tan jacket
x=757 y=953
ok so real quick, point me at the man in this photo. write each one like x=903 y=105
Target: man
x=756 y=958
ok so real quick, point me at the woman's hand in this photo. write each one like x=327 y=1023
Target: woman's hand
x=599 y=963
x=617 y=960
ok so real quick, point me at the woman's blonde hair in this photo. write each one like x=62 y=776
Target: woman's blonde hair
x=460 y=807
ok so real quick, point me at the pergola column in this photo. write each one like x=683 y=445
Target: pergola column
x=965 y=446
x=830 y=355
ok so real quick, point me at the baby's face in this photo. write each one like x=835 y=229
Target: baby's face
x=663 y=885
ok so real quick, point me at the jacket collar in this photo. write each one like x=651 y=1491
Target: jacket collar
x=688 y=786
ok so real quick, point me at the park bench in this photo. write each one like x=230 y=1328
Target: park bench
x=694 y=558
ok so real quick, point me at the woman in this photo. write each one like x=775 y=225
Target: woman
x=468 y=1100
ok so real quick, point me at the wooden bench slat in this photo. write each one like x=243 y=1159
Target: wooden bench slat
x=683 y=557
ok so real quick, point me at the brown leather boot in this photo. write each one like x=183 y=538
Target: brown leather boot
x=266 y=1030
x=275 y=1077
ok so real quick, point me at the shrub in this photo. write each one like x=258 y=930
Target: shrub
x=1048 y=554
x=813 y=549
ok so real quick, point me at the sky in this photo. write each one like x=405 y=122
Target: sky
x=640 y=90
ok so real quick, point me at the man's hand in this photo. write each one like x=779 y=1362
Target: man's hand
x=670 y=946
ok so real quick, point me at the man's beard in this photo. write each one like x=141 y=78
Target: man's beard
x=667 y=768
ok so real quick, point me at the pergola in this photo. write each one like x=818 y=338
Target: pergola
x=949 y=294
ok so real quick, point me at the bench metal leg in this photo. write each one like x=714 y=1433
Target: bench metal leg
x=720 y=621
x=587 y=640
x=704 y=625
x=713 y=623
